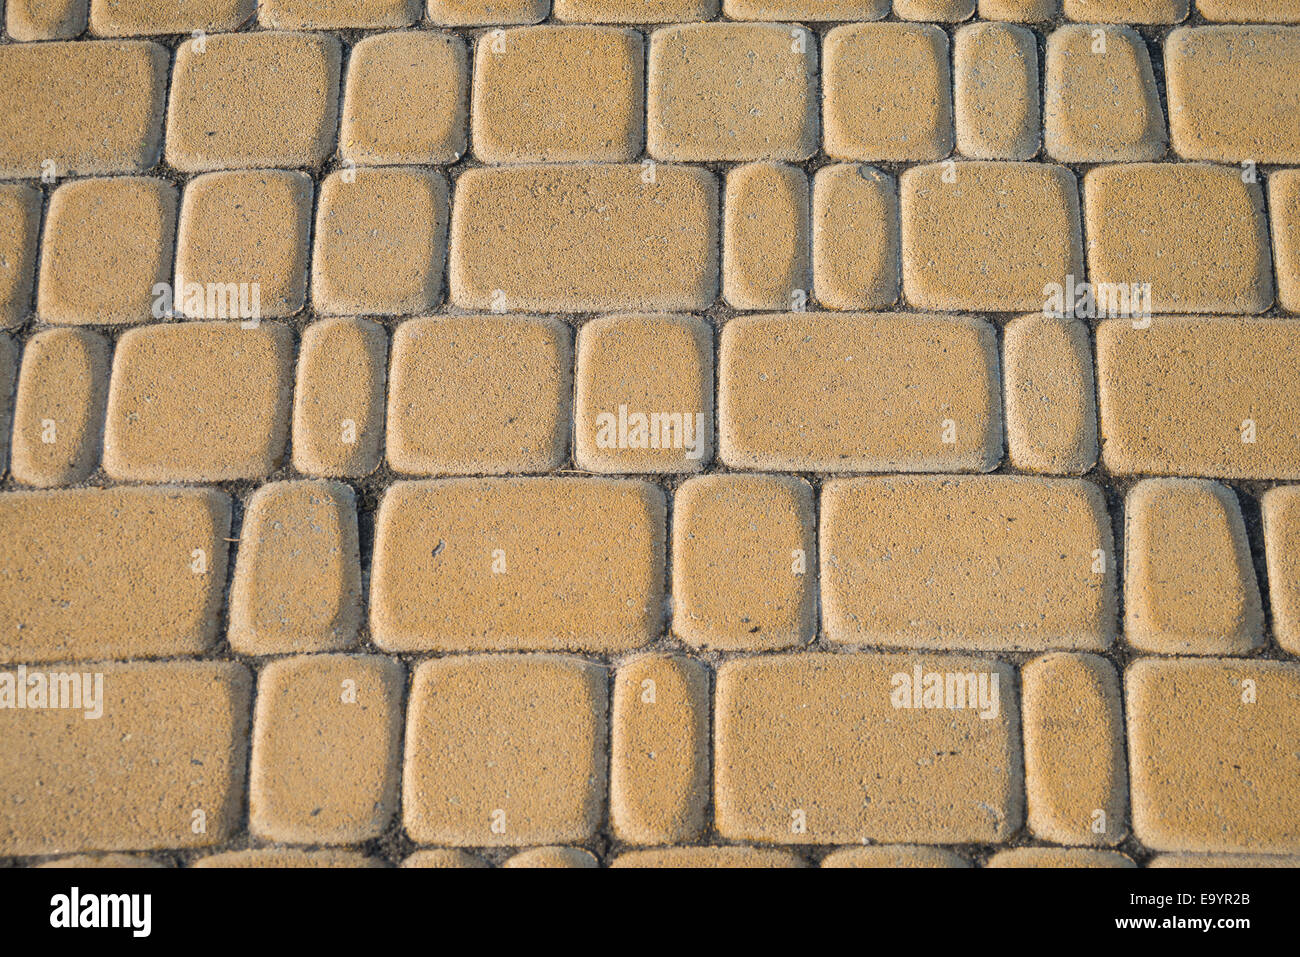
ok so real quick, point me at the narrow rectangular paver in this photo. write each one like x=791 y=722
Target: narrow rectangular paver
x=995 y=92
x=337 y=14
x=855 y=237
x=1281 y=519
x=1284 y=211
x=708 y=857
x=635 y=11
x=799 y=10
x=1250 y=11
x=1050 y=395
x=125 y=18
x=20 y=221
x=1127 y=11
x=765 y=244
x=338 y=403
x=478 y=13
x=894 y=856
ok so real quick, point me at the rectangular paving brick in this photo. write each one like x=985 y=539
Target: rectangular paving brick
x=518 y=564
x=1284 y=211
x=855 y=240
x=1050 y=395
x=1250 y=11
x=995 y=92
x=505 y=749
x=1224 y=731
x=81 y=108
x=859 y=393
x=1127 y=11
x=337 y=14
x=1213 y=397
x=990 y=562
x=1281 y=519
x=943 y=11
x=473 y=13
x=1019 y=11
x=117 y=573
x=8 y=376
x=288 y=858
x=28 y=20
x=162 y=767
x=765 y=246
x=634 y=11
x=801 y=10
x=636 y=237
x=338 y=404
x=114 y=18
x=1059 y=857
x=563 y=857
x=708 y=857
x=822 y=749
x=20 y=220
x=894 y=856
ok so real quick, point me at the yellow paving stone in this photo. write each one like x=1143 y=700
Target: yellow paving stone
x=855 y=238
x=101 y=861
x=297 y=584
x=941 y=11
x=1224 y=860
x=637 y=237
x=659 y=766
x=553 y=857
x=473 y=13
x=988 y=236
x=161 y=767
x=326 y=748
x=995 y=91
x=288 y=857
x=834 y=749
x=116 y=18
x=859 y=392
x=115 y=573
x=801 y=10
x=1284 y=210
x=225 y=418
x=59 y=408
x=253 y=100
x=1233 y=93
x=20 y=220
x=1281 y=514
x=8 y=377
x=1127 y=11
x=765 y=242
x=887 y=92
x=500 y=388
x=337 y=14
x=515 y=564
x=1020 y=11
x=894 y=855
x=108 y=243
x=1049 y=391
x=989 y=562
x=1062 y=857
x=1212 y=397
x=443 y=857
x=744 y=566
x=80 y=108
x=1100 y=101
x=1250 y=11
x=338 y=408
x=247 y=229
x=1223 y=731
x=1195 y=232
x=1210 y=606
x=558 y=94
x=1075 y=771
x=637 y=11
x=505 y=750
x=406 y=99
x=731 y=91
x=643 y=394
x=712 y=857
x=27 y=20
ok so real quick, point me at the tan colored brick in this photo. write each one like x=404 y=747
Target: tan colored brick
x=444 y=857
x=558 y=94
x=338 y=408
x=225 y=418
x=765 y=237
x=1060 y=857
x=811 y=749
x=1076 y=776
x=1250 y=11
x=27 y=20
x=1049 y=387
x=8 y=376
x=893 y=856
x=170 y=743
x=995 y=91
x=20 y=221
x=729 y=91
x=1210 y=606
x=116 y=573
x=406 y=99
x=297 y=584
x=1233 y=93
x=1223 y=860
x=644 y=394
x=1127 y=11
x=501 y=387
x=553 y=857
x=59 y=409
x=288 y=857
x=473 y=13
x=1284 y=209
x=803 y=10
x=1021 y=11
x=253 y=100
x=1225 y=732
x=1281 y=514
x=988 y=562
x=505 y=749
x=858 y=393
x=327 y=735
x=744 y=567
x=1179 y=397
x=247 y=228
x=887 y=92
x=713 y=857
x=107 y=243
x=629 y=243
x=659 y=768
x=84 y=107
x=580 y=565
x=116 y=18
x=1100 y=101
x=635 y=11
x=337 y=14
x=101 y=861
x=941 y=11
x=855 y=241
x=993 y=239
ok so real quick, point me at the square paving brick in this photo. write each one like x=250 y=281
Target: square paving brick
x=1049 y=393
x=1127 y=11
x=855 y=237
x=505 y=749
x=474 y=13
x=20 y=221
x=336 y=14
x=28 y=20
x=123 y=18
x=1284 y=211
x=1281 y=514
x=338 y=404
x=995 y=92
